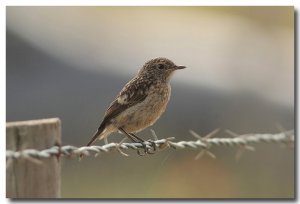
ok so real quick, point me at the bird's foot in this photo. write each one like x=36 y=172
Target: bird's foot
x=153 y=145
x=136 y=139
x=147 y=150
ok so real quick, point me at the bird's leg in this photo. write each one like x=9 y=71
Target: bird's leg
x=129 y=135
x=135 y=139
x=152 y=144
x=142 y=141
x=150 y=141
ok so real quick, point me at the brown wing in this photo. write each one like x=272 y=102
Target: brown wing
x=133 y=93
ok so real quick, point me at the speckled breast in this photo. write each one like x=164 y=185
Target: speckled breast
x=146 y=113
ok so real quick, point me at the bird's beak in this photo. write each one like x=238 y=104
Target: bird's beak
x=180 y=67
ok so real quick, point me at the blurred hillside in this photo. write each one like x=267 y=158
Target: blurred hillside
x=71 y=63
x=232 y=49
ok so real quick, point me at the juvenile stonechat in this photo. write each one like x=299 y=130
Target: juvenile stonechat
x=140 y=103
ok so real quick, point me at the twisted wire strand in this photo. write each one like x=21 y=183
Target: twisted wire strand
x=203 y=143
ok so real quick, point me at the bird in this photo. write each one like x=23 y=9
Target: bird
x=140 y=103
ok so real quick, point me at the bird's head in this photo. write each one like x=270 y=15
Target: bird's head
x=159 y=68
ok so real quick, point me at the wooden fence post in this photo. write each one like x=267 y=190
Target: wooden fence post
x=26 y=178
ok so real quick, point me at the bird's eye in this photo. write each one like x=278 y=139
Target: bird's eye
x=160 y=66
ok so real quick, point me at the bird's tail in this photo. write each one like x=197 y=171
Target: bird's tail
x=96 y=136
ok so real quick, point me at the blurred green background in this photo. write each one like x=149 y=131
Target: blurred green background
x=70 y=62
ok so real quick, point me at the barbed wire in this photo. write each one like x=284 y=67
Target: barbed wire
x=202 y=143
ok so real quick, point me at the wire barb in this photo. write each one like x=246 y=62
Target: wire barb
x=202 y=143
